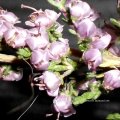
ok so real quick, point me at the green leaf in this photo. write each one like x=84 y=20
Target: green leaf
x=115 y=22
x=71 y=88
x=72 y=31
x=6 y=70
x=94 y=86
x=86 y=96
x=108 y=62
x=59 y=5
x=57 y=68
x=84 y=44
x=56 y=62
x=69 y=62
x=113 y=116
x=93 y=94
x=24 y=53
x=90 y=75
x=53 y=34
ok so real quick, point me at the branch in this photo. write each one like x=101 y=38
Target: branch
x=7 y=58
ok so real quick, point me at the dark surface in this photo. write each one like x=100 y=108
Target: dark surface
x=15 y=93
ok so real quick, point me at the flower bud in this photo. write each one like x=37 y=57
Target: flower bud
x=51 y=80
x=39 y=41
x=115 y=50
x=13 y=76
x=45 y=18
x=15 y=37
x=40 y=59
x=80 y=9
x=53 y=93
x=63 y=104
x=85 y=28
x=58 y=49
x=4 y=26
x=101 y=41
x=9 y=17
x=52 y=83
x=52 y=15
x=111 y=79
x=92 y=58
x=9 y=34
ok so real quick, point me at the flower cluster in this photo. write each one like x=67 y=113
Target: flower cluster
x=47 y=53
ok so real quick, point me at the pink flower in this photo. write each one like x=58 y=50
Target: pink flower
x=81 y=10
x=85 y=28
x=9 y=17
x=58 y=49
x=101 y=41
x=39 y=41
x=50 y=82
x=63 y=104
x=40 y=59
x=52 y=15
x=4 y=26
x=115 y=50
x=15 y=37
x=13 y=76
x=53 y=93
x=43 y=18
x=111 y=79
x=92 y=58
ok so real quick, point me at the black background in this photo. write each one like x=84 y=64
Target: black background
x=15 y=93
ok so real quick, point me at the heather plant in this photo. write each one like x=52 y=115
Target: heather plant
x=51 y=59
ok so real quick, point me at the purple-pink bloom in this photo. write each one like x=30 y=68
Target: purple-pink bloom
x=9 y=17
x=43 y=18
x=38 y=41
x=4 y=26
x=53 y=93
x=115 y=50
x=15 y=37
x=111 y=79
x=92 y=58
x=101 y=41
x=63 y=104
x=79 y=9
x=51 y=82
x=40 y=59
x=85 y=28
x=58 y=49
x=13 y=76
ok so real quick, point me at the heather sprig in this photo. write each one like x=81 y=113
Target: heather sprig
x=53 y=63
